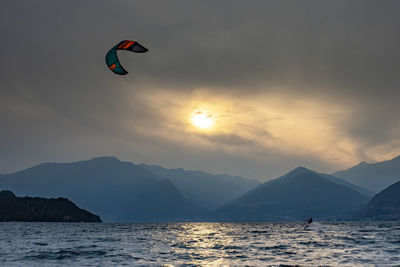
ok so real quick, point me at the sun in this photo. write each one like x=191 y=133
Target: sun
x=202 y=120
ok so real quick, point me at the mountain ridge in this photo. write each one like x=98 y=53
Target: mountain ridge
x=207 y=190
x=384 y=206
x=124 y=192
x=103 y=185
x=113 y=188
x=296 y=195
x=372 y=176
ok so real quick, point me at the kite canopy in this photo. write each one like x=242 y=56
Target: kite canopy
x=112 y=59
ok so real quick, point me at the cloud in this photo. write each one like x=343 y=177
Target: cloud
x=291 y=82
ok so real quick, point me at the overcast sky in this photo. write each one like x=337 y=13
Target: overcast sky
x=287 y=83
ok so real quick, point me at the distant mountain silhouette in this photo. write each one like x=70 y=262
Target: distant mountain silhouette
x=122 y=191
x=340 y=181
x=295 y=196
x=207 y=190
x=164 y=203
x=36 y=209
x=384 y=206
x=113 y=189
x=373 y=176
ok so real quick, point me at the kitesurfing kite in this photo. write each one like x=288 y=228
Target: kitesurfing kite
x=112 y=59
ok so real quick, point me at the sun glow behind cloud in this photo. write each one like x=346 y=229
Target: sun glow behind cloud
x=254 y=126
x=202 y=120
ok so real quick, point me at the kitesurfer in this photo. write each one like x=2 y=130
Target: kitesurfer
x=309 y=221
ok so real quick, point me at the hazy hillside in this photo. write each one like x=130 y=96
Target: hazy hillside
x=373 y=176
x=120 y=191
x=299 y=194
x=207 y=190
x=340 y=181
x=113 y=189
x=384 y=206
x=164 y=203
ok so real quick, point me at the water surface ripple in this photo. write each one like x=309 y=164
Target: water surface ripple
x=199 y=244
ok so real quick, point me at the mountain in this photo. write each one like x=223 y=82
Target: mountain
x=297 y=195
x=156 y=206
x=207 y=190
x=373 y=176
x=340 y=181
x=384 y=206
x=36 y=209
x=116 y=190
x=120 y=191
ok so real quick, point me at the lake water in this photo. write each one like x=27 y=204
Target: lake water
x=199 y=244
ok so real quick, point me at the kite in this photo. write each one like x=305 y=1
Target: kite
x=112 y=60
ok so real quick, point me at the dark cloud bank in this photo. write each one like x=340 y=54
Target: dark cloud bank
x=58 y=101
